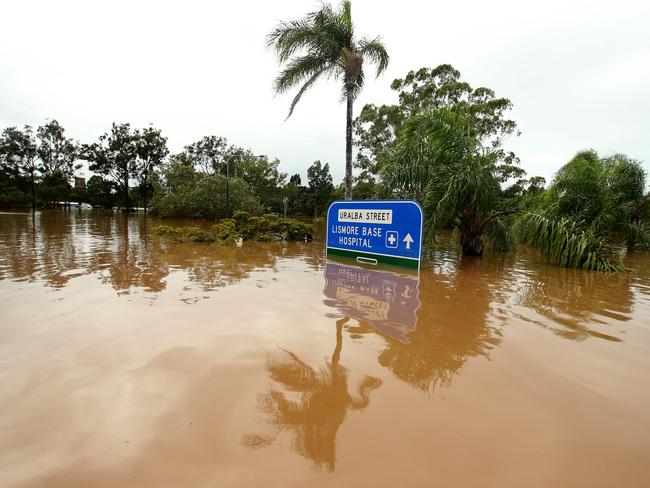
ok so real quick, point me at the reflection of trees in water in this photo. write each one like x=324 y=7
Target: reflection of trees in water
x=573 y=299
x=312 y=406
x=60 y=245
x=19 y=237
x=452 y=325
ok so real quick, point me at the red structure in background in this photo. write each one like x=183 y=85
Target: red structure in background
x=79 y=182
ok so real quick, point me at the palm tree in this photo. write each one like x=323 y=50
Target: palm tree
x=592 y=206
x=322 y=44
x=439 y=161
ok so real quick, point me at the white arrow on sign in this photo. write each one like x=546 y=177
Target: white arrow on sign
x=409 y=240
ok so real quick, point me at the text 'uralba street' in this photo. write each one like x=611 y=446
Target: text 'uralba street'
x=352 y=235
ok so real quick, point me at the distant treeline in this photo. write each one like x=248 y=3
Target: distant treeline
x=442 y=144
x=209 y=179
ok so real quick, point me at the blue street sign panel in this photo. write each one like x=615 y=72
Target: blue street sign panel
x=387 y=231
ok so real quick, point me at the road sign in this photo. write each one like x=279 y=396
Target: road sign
x=383 y=299
x=376 y=231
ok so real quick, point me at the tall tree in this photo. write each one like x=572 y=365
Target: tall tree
x=151 y=151
x=264 y=178
x=323 y=44
x=440 y=160
x=320 y=185
x=57 y=153
x=427 y=89
x=18 y=155
x=209 y=154
x=115 y=156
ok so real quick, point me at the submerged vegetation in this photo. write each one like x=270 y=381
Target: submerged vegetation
x=592 y=206
x=241 y=227
x=441 y=143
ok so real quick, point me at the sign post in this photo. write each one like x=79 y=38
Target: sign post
x=376 y=231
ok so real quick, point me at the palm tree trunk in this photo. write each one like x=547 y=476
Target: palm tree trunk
x=348 y=148
x=471 y=234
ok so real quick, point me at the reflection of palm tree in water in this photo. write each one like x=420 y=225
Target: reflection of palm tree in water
x=315 y=416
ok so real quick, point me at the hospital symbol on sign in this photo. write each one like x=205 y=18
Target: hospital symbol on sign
x=392 y=239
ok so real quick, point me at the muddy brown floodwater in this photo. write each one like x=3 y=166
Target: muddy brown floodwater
x=127 y=360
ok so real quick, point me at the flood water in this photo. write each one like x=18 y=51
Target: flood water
x=129 y=360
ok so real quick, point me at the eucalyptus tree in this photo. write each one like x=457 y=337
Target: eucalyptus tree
x=151 y=151
x=57 y=153
x=209 y=154
x=19 y=156
x=593 y=205
x=376 y=128
x=321 y=45
x=439 y=160
x=265 y=179
x=115 y=156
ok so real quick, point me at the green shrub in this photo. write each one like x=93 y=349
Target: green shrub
x=265 y=228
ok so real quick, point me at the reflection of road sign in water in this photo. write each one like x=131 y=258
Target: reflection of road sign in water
x=377 y=231
x=386 y=300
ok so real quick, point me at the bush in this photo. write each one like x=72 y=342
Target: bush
x=183 y=234
x=265 y=228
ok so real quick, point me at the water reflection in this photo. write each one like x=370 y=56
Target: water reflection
x=56 y=247
x=310 y=404
x=385 y=300
x=431 y=323
x=574 y=304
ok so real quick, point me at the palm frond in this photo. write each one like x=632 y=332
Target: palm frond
x=375 y=51
x=563 y=242
x=500 y=236
x=300 y=70
x=306 y=86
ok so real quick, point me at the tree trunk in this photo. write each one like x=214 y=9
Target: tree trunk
x=348 y=148
x=471 y=234
x=145 y=193
x=33 y=187
x=472 y=245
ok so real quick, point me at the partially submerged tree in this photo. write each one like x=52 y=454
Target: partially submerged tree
x=320 y=185
x=19 y=156
x=592 y=205
x=57 y=153
x=323 y=44
x=438 y=160
x=428 y=89
x=57 y=156
x=115 y=156
x=151 y=150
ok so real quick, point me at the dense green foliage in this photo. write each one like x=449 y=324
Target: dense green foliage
x=322 y=45
x=261 y=228
x=592 y=205
x=241 y=226
x=186 y=192
x=431 y=89
x=36 y=168
x=438 y=160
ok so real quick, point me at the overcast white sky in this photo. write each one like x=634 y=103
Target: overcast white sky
x=577 y=72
